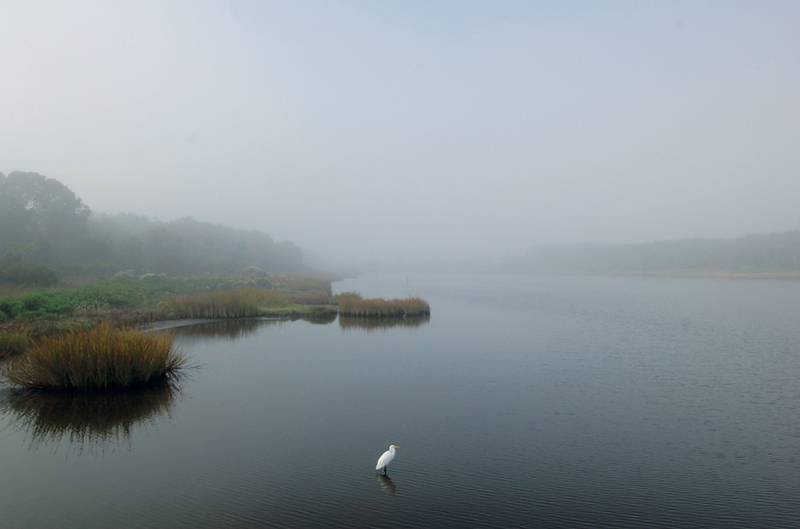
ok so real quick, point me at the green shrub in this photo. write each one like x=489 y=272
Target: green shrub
x=35 y=305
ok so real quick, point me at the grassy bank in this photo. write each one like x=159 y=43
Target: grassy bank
x=146 y=295
x=82 y=338
x=99 y=358
x=128 y=301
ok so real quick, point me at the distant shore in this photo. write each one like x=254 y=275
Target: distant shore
x=719 y=274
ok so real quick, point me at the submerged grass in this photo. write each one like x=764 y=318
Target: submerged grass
x=100 y=358
x=382 y=308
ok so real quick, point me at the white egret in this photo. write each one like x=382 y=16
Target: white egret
x=386 y=458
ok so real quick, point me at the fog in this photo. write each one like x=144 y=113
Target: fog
x=414 y=130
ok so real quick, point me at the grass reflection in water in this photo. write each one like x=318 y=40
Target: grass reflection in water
x=86 y=421
x=243 y=327
x=226 y=329
x=371 y=324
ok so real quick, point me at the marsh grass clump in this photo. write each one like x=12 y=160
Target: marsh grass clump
x=383 y=308
x=235 y=303
x=13 y=342
x=98 y=358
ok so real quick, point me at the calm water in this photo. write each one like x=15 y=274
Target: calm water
x=522 y=402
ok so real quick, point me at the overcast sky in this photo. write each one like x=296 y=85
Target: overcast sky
x=384 y=130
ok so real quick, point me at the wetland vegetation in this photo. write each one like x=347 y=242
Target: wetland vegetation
x=74 y=287
x=99 y=358
x=352 y=304
x=84 y=338
x=126 y=300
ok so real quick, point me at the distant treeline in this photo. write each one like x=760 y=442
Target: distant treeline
x=47 y=232
x=753 y=254
x=186 y=246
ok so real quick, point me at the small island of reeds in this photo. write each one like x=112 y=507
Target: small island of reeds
x=95 y=359
x=352 y=304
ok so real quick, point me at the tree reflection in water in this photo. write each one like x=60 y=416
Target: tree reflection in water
x=93 y=422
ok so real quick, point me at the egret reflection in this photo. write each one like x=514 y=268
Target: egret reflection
x=387 y=483
x=92 y=422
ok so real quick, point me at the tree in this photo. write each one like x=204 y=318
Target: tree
x=33 y=206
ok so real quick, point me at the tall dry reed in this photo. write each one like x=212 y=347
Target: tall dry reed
x=383 y=308
x=235 y=303
x=13 y=342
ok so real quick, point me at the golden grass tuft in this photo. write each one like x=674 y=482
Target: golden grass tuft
x=14 y=342
x=382 y=308
x=99 y=358
x=235 y=303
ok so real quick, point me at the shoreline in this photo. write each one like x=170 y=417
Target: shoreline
x=163 y=325
x=707 y=274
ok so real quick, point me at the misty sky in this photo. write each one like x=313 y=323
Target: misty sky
x=408 y=130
